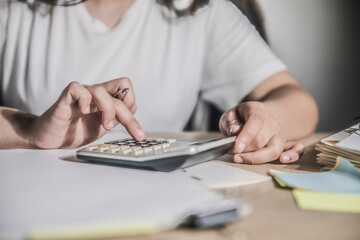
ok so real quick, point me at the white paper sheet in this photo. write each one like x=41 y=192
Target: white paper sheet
x=351 y=142
x=217 y=175
x=39 y=189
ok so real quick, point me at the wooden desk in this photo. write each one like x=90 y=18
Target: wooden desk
x=274 y=212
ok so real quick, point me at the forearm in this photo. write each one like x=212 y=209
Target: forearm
x=289 y=103
x=294 y=109
x=14 y=128
x=274 y=112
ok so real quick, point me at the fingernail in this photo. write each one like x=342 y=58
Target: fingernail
x=241 y=147
x=87 y=109
x=238 y=159
x=140 y=133
x=110 y=125
x=286 y=158
x=234 y=128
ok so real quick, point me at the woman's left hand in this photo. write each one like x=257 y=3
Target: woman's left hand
x=260 y=139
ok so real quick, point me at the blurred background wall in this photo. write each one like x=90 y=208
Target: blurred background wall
x=319 y=40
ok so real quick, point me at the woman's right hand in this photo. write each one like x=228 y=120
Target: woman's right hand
x=82 y=114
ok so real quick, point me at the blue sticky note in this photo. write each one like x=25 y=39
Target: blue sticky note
x=344 y=178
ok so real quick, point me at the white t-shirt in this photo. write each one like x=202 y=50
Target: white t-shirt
x=216 y=52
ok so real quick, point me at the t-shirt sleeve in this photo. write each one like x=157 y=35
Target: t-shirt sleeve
x=237 y=58
x=4 y=11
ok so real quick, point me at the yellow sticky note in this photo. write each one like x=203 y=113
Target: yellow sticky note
x=281 y=183
x=96 y=231
x=325 y=201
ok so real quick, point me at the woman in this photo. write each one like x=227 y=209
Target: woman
x=169 y=51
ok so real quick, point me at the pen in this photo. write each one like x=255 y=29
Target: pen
x=121 y=93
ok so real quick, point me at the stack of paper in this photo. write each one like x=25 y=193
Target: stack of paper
x=336 y=190
x=345 y=143
x=49 y=195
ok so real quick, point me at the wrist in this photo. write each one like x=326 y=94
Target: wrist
x=15 y=127
x=25 y=123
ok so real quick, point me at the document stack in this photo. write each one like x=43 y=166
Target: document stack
x=345 y=144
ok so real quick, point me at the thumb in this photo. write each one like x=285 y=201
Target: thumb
x=229 y=124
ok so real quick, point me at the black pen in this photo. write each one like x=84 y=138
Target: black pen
x=121 y=93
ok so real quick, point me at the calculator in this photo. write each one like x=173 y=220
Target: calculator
x=160 y=154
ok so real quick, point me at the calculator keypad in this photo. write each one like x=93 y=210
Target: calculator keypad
x=132 y=147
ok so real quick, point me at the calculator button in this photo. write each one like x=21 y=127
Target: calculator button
x=157 y=147
x=165 y=145
x=90 y=148
x=138 y=152
x=124 y=147
x=126 y=151
x=148 y=150
x=121 y=143
x=113 y=150
x=102 y=147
